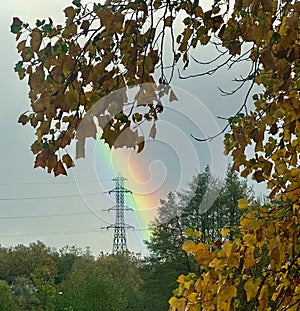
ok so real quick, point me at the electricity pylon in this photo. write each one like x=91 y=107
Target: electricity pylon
x=119 y=243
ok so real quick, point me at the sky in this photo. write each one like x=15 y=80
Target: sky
x=73 y=209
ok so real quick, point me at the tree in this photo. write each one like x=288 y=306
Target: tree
x=108 y=47
x=6 y=298
x=22 y=260
x=43 y=279
x=109 y=283
x=226 y=211
x=177 y=216
x=64 y=260
x=29 y=271
x=86 y=289
x=23 y=290
x=198 y=204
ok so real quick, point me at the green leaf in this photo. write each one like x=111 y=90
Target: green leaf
x=123 y=118
x=40 y=23
x=132 y=5
x=16 y=25
x=189 y=232
x=47 y=28
x=281 y=213
x=77 y=3
x=227 y=136
x=275 y=38
x=18 y=66
x=64 y=48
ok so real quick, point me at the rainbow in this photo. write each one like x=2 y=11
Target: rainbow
x=143 y=200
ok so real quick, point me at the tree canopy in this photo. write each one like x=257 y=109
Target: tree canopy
x=177 y=216
x=103 y=50
x=36 y=277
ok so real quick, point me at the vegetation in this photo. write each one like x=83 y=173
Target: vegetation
x=36 y=277
x=105 y=49
x=179 y=216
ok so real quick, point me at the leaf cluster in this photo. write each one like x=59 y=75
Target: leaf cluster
x=93 y=60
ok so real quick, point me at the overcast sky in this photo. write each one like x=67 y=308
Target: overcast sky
x=69 y=210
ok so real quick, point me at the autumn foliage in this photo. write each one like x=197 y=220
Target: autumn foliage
x=105 y=48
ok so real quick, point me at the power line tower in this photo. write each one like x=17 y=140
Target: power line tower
x=119 y=243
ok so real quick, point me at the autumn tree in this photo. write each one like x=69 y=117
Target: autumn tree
x=102 y=50
x=178 y=215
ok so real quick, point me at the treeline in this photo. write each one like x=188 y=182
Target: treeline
x=38 y=278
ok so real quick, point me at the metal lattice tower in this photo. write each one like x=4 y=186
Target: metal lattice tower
x=119 y=243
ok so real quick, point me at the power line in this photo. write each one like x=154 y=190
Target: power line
x=49 y=197
x=90 y=230
x=50 y=233
x=45 y=216
x=55 y=183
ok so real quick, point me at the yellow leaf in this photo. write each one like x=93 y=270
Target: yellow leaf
x=172 y=301
x=202 y=254
x=281 y=168
x=187 y=284
x=249 y=258
x=225 y=296
x=263 y=297
x=227 y=248
x=193 y=297
x=217 y=264
x=181 y=278
x=72 y=100
x=234 y=260
x=243 y=203
x=275 y=255
x=180 y=304
x=249 y=239
x=251 y=288
x=224 y=231
x=189 y=247
x=267 y=59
